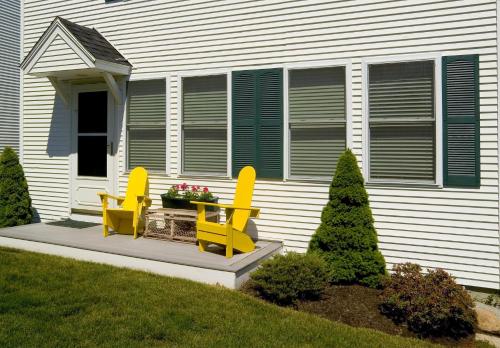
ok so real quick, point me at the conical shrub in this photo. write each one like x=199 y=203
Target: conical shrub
x=15 y=201
x=346 y=237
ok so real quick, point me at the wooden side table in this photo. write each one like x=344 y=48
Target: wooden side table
x=174 y=224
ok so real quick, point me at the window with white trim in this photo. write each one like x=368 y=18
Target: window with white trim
x=402 y=122
x=317 y=120
x=146 y=125
x=204 y=125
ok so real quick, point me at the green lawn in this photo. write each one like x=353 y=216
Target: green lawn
x=52 y=301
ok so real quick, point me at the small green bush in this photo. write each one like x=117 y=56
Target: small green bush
x=431 y=304
x=15 y=201
x=285 y=279
x=346 y=237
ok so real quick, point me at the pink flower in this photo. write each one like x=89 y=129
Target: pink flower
x=184 y=186
x=205 y=189
x=194 y=188
x=177 y=186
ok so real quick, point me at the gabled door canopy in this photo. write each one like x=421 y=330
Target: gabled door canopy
x=68 y=51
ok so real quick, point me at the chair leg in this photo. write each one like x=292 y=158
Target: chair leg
x=105 y=230
x=135 y=231
x=229 y=251
x=229 y=240
x=202 y=246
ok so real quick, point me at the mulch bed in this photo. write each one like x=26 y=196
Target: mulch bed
x=358 y=306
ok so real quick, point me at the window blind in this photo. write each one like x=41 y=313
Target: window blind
x=402 y=121
x=146 y=142
x=204 y=123
x=317 y=121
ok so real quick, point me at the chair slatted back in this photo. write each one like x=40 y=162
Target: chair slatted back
x=243 y=197
x=138 y=185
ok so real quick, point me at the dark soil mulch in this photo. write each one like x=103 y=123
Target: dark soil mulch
x=358 y=306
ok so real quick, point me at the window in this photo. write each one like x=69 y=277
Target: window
x=402 y=122
x=257 y=112
x=204 y=125
x=146 y=133
x=317 y=121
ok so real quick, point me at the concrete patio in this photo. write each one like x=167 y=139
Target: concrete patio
x=162 y=257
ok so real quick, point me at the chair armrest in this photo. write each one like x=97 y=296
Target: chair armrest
x=146 y=200
x=105 y=195
x=206 y=203
x=254 y=212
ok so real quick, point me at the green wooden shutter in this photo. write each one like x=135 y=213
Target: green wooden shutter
x=257 y=121
x=244 y=120
x=461 y=121
x=204 y=122
x=270 y=123
x=146 y=133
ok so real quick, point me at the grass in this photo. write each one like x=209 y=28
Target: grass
x=52 y=301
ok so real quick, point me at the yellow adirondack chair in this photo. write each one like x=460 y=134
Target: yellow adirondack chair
x=128 y=218
x=232 y=233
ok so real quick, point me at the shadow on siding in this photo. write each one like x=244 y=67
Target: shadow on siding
x=58 y=142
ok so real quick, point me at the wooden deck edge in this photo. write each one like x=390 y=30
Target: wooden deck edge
x=203 y=275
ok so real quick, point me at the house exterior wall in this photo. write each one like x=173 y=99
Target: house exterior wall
x=10 y=54
x=456 y=229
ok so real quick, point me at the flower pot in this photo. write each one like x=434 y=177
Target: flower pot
x=182 y=203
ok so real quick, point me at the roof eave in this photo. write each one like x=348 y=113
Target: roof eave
x=113 y=68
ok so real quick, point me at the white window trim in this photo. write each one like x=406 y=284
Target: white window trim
x=148 y=77
x=168 y=118
x=347 y=64
x=21 y=87
x=436 y=57
x=180 y=135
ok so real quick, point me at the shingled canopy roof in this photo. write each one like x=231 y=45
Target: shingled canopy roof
x=83 y=47
x=95 y=43
x=67 y=51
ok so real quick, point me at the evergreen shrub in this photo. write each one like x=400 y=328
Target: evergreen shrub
x=346 y=237
x=15 y=201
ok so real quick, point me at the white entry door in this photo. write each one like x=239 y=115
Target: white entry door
x=92 y=162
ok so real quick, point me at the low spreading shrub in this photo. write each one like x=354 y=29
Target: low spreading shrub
x=431 y=304
x=285 y=279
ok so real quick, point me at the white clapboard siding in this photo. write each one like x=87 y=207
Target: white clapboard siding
x=10 y=54
x=59 y=56
x=456 y=229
